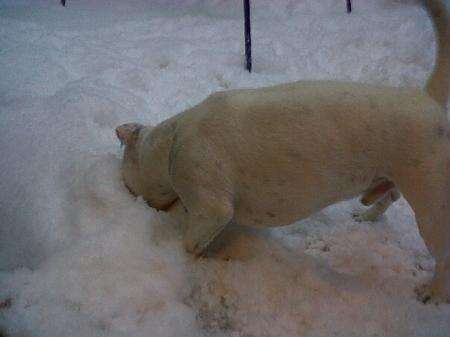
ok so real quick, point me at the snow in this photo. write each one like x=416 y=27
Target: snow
x=79 y=256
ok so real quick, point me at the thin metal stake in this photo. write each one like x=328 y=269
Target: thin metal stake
x=248 y=37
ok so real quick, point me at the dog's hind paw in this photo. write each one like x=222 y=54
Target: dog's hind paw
x=426 y=294
x=423 y=294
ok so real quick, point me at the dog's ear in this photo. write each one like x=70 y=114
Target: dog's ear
x=128 y=133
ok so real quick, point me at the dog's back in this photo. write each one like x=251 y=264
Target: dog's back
x=293 y=139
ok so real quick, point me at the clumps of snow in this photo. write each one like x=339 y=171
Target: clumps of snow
x=79 y=256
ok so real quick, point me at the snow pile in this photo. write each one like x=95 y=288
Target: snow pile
x=81 y=257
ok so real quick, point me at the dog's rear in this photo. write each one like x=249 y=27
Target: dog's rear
x=430 y=195
x=438 y=84
x=437 y=87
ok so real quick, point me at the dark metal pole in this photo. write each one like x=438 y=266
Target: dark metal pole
x=63 y=2
x=349 y=6
x=248 y=37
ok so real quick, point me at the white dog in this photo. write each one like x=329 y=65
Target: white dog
x=271 y=156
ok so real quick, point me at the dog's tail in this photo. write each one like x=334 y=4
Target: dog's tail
x=438 y=85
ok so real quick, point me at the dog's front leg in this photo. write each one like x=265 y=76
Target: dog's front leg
x=201 y=180
x=208 y=206
x=205 y=219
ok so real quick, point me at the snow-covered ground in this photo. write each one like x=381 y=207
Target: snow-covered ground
x=81 y=257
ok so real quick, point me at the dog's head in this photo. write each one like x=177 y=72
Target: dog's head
x=128 y=135
x=146 y=175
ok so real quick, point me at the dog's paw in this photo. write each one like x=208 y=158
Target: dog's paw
x=428 y=294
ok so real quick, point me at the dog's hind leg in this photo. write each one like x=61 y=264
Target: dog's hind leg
x=428 y=192
x=435 y=230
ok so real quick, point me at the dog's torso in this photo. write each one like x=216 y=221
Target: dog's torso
x=284 y=152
